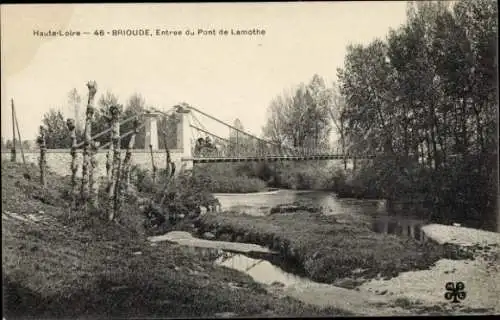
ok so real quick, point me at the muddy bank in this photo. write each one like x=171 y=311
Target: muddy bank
x=337 y=250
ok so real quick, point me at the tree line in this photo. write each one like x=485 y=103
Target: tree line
x=424 y=100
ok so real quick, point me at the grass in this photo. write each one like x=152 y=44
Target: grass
x=83 y=266
x=326 y=250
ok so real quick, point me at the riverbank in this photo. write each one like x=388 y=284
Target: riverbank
x=55 y=266
x=410 y=293
x=340 y=250
x=425 y=288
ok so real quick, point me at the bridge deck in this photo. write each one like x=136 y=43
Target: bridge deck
x=271 y=158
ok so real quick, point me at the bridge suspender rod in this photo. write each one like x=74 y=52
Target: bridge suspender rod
x=123 y=136
x=197 y=122
x=238 y=130
x=106 y=131
x=230 y=126
x=204 y=131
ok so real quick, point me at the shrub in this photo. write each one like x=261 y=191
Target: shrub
x=170 y=200
x=228 y=178
x=300 y=175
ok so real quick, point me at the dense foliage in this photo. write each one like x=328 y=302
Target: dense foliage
x=170 y=200
x=425 y=100
x=230 y=178
x=300 y=118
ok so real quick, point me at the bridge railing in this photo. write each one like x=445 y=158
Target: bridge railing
x=257 y=150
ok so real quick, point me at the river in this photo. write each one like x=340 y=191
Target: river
x=260 y=203
x=263 y=268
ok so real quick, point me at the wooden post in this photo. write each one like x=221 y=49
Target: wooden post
x=43 y=151
x=19 y=137
x=152 y=162
x=94 y=187
x=109 y=157
x=169 y=166
x=115 y=149
x=87 y=144
x=70 y=123
x=117 y=195
x=13 y=156
x=128 y=156
x=170 y=169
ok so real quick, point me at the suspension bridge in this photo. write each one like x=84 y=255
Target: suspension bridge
x=201 y=145
x=195 y=143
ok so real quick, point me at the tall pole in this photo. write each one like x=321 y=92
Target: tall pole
x=13 y=149
x=71 y=124
x=19 y=136
x=43 y=161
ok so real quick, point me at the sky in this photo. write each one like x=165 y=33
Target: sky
x=232 y=76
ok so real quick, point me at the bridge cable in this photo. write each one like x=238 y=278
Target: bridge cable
x=193 y=135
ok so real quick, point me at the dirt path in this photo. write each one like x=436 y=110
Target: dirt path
x=185 y=238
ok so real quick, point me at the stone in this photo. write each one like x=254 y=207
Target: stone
x=209 y=236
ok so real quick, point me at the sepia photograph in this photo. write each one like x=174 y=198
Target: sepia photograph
x=249 y=160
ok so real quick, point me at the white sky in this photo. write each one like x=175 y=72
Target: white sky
x=229 y=77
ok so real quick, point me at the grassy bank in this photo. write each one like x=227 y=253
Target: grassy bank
x=56 y=266
x=254 y=177
x=327 y=249
x=227 y=178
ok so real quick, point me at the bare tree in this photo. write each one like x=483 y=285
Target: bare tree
x=88 y=144
x=115 y=149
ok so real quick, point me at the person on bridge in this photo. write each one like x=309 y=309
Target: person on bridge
x=210 y=147
x=199 y=145
x=208 y=143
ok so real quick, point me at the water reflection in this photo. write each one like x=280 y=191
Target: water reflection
x=260 y=270
x=401 y=226
x=261 y=203
x=255 y=265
